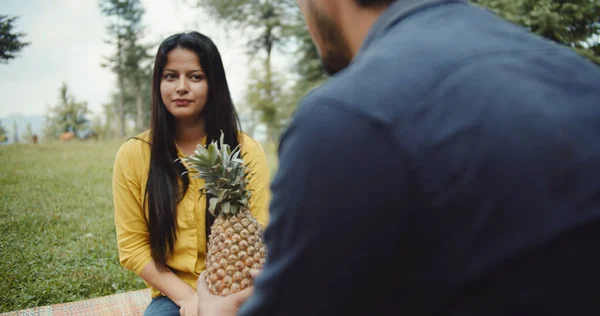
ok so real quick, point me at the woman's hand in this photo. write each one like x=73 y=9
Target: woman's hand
x=210 y=304
x=189 y=307
x=181 y=293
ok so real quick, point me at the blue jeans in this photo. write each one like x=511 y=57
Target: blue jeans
x=161 y=306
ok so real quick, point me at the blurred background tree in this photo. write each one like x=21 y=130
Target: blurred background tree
x=69 y=115
x=573 y=23
x=11 y=42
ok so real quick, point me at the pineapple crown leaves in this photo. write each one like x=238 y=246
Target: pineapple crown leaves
x=225 y=175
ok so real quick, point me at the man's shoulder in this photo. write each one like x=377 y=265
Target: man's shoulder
x=322 y=115
x=329 y=104
x=413 y=60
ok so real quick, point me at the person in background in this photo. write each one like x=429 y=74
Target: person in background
x=161 y=221
x=450 y=166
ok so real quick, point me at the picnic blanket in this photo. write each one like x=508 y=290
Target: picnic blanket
x=128 y=303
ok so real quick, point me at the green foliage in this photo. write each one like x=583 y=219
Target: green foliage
x=100 y=128
x=272 y=100
x=138 y=78
x=27 y=136
x=3 y=134
x=56 y=216
x=67 y=116
x=268 y=19
x=573 y=23
x=107 y=126
x=271 y=23
x=11 y=43
x=15 y=133
x=308 y=64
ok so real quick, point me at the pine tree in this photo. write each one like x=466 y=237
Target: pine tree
x=10 y=42
x=129 y=60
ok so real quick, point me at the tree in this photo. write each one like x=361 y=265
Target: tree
x=128 y=62
x=27 y=136
x=308 y=65
x=15 y=133
x=139 y=76
x=3 y=134
x=108 y=127
x=271 y=99
x=266 y=19
x=249 y=119
x=67 y=116
x=11 y=43
x=574 y=23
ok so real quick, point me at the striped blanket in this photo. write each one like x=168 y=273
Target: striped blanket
x=129 y=303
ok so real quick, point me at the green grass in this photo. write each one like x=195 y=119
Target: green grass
x=57 y=235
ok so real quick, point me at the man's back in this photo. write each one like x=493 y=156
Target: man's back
x=451 y=169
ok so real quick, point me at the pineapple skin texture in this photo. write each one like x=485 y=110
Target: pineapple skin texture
x=235 y=247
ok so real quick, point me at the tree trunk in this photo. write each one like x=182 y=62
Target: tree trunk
x=139 y=101
x=121 y=107
x=272 y=123
x=121 y=78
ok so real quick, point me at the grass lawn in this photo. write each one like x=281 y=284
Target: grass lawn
x=57 y=236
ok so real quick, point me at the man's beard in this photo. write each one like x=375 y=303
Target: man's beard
x=335 y=53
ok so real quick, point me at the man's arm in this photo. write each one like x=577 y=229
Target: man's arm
x=336 y=216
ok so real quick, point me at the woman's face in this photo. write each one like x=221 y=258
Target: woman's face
x=183 y=86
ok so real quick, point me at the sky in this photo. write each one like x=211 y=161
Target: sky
x=67 y=45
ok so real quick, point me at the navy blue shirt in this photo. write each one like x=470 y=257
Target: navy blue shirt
x=452 y=169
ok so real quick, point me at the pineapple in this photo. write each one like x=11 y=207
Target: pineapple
x=235 y=245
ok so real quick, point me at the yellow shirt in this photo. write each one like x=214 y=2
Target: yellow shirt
x=130 y=174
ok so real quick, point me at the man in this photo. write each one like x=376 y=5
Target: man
x=451 y=166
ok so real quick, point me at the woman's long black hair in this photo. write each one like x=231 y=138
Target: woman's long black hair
x=167 y=183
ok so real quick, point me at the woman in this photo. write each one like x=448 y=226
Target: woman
x=161 y=220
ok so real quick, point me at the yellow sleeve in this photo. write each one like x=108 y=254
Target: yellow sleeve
x=260 y=182
x=130 y=219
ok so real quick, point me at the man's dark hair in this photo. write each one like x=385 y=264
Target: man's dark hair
x=366 y=3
